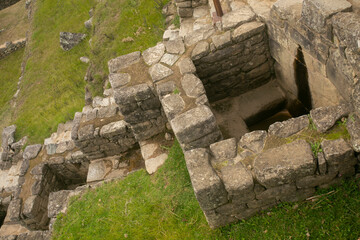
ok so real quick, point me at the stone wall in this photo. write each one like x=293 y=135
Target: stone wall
x=7 y=3
x=10 y=47
x=328 y=35
x=185 y=8
x=234 y=181
x=235 y=61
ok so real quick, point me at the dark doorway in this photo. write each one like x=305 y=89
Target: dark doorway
x=302 y=81
x=2 y=217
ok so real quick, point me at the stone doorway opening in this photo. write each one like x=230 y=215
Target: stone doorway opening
x=2 y=216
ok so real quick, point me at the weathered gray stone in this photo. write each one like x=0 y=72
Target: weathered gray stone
x=194 y=124
x=172 y=104
x=287 y=9
x=277 y=192
x=32 y=151
x=186 y=65
x=338 y=154
x=159 y=72
x=315 y=180
x=289 y=127
x=84 y=59
x=152 y=164
x=284 y=164
x=202 y=100
x=185 y=12
x=171 y=34
x=238 y=181
x=203 y=142
x=165 y=88
x=8 y=136
x=353 y=127
x=347 y=30
x=322 y=163
x=316 y=12
x=325 y=117
x=236 y=18
x=201 y=50
x=254 y=141
x=76 y=125
x=262 y=204
x=175 y=46
x=224 y=150
x=169 y=59
x=124 y=61
x=57 y=202
x=192 y=85
x=98 y=169
x=231 y=209
x=208 y=188
x=118 y=80
x=200 y=34
x=32 y=206
x=13 y=211
x=222 y=40
x=247 y=30
x=154 y=54
x=69 y=40
x=88 y=24
x=113 y=129
x=86 y=132
x=216 y=219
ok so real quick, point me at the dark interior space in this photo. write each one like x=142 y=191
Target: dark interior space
x=2 y=217
x=302 y=83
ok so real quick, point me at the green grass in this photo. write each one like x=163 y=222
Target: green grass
x=53 y=86
x=115 y=20
x=163 y=206
x=10 y=71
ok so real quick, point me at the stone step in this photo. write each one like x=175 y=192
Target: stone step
x=260 y=103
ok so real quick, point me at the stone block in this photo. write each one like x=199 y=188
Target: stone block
x=338 y=154
x=86 y=132
x=347 y=30
x=208 y=187
x=192 y=85
x=159 y=72
x=353 y=127
x=262 y=204
x=284 y=164
x=315 y=180
x=289 y=127
x=8 y=136
x=165 y=88
x=175 y=46
x=316 y=12
x=224 y=150
x=254 y=141
x=247 y=30
x=325 y=117
x=32 y=151
x=222 y=40
x=216 y=220
x=76 y=125
x=238 y=180
x=172 y=104
x=69 y=40
x=201 y=50
x=32 y=206
x=204 y=141
x=231 y=209
x=124 y=61
x=288 y=9
x=186 y=65
x=113 y=129
x=13 y=211
x=57 y=203
x=194 y=124
x=185 y=12
x=152 y=164
x=118 y=80
x=277 y=192
x=322 y=165
x=236 y=18
x=153 y=55
x=98 y=170
x=169 y=59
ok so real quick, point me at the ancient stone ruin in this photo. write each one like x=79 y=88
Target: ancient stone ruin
x=241 y=93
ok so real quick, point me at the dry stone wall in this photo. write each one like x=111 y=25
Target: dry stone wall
x=7 y=3
x=10 y=47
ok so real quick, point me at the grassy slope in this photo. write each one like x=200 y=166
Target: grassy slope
x=53 y=86
x=163 y=206
x=14 y=20
x=115 y=20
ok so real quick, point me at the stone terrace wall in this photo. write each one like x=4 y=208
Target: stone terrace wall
x=328 y=34
x=185 y=8
x=10 y=47
x=7 y=3
x=234 y=62
x=234 y=181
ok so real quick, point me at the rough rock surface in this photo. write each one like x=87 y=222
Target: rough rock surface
x=192 y=85
x=325 y=117
x=159 y=72
x=236 y=18
x=69 y=40
x=154 y=54
x=284 y=164
x=353 y=127
x=289 y=127
x=118 y=80
x=224 y=150
x=32 y=151
x=124 y=61
x=254 y=141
